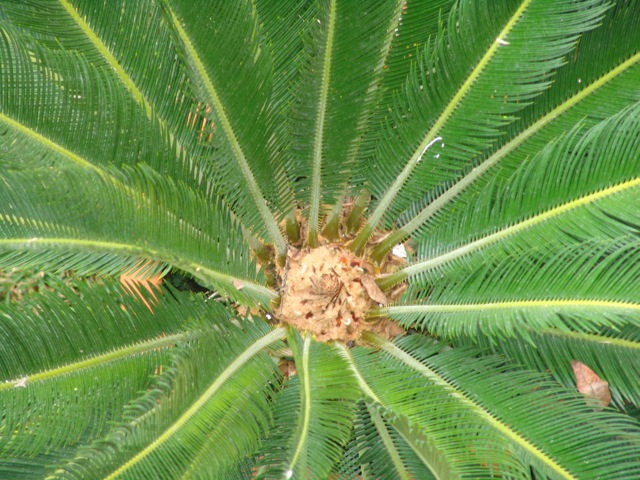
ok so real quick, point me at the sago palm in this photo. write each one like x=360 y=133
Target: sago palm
x=409 y=218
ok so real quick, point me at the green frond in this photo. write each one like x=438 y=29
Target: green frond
x=613 y=355
x=404 y=448
x=346 y=47
x=385 y=434
x=595 y=85
x=515 y=48
x=64 y=356
x=424 y=456
x=58 y=106
x=32 y=467
x=418 y=24
x=379 y=449
x=316 y=91
x=579 y=187
x=220 y=43
x=505 y=417
x=230 y=387
x=126 y=42
x=582 y=287
x=76 y=220
x=431 y=409
x=314 y=414
x=282 y=24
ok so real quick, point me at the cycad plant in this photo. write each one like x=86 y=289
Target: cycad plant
x=410 y=218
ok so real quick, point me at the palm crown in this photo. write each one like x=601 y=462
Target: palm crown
x=495 y=142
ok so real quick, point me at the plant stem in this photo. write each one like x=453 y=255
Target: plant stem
x=387 y=244
x=357 y=246
x=331 y=229
x=388 y=281
x=292 y=228
x=355 y=217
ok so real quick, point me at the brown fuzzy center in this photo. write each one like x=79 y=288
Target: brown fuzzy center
x=328 y=291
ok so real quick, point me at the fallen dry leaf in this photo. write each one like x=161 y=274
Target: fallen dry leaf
x=373 y=290
x=590 y=384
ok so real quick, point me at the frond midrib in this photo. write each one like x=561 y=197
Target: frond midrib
x=98 y=360
x=195 y=269
x=51 y=145
x=127 y=81
x=225 y=122
x=387 y=441
x=503 y=233
x=555 y=304
x=305 y=392
x=425 y=449
x=364 y=386
x=316 y=169
x=242 y=359
x=594 y=338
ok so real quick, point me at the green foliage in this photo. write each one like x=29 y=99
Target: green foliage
x=314 y=437
x=497 y=140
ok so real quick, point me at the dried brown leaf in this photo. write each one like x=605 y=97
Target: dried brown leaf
x=373 y=290
x=139 y=277
x=590 y=384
